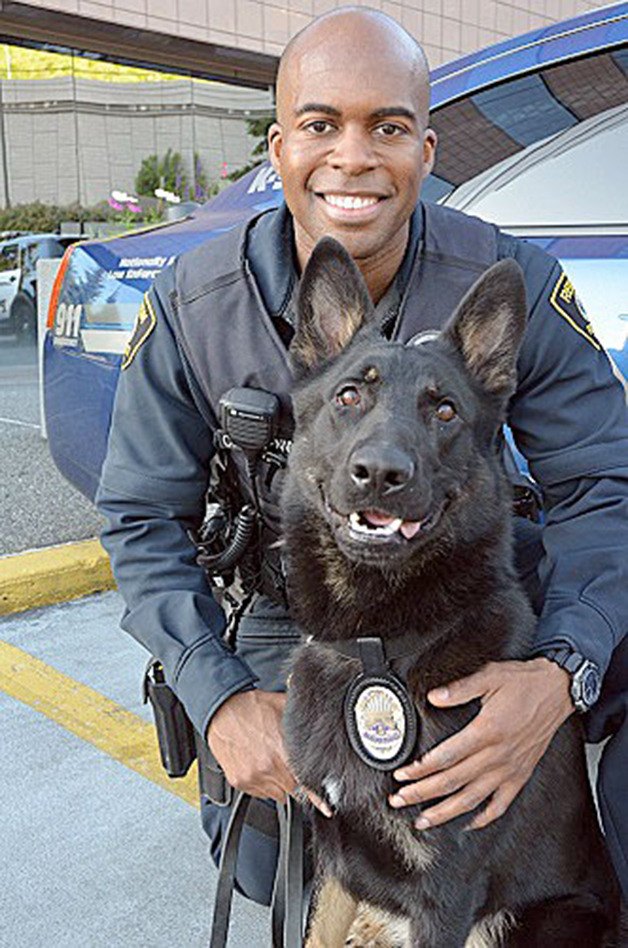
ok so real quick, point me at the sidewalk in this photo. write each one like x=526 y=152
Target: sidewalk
x=95 y=854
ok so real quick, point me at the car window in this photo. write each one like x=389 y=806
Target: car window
x=519 y=151
x=9 y=257
x=30 y=255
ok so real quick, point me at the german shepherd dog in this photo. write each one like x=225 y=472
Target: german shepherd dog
x=397 y=524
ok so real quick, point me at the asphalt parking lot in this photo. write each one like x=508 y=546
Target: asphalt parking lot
x=38 y=507
x=100 y=848
x=95 y=852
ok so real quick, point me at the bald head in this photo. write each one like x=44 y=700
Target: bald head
x=344 y=36
x=351 y=141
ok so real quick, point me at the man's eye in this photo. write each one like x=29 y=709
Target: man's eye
x=446 y=411
x=348 y=396
x=389 y=130
x=318 y=126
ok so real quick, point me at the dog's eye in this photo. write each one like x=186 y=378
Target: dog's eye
x=348 y=396
x=446 y=411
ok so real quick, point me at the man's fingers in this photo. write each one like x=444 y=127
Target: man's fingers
x=462 y=691
x=459 y=803
x=441 y=784
x=300 y=791
x=496 y=807
x=466 y=743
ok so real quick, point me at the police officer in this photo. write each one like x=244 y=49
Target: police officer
x=352 y=145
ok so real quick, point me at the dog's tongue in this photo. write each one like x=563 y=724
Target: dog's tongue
x=408 y=528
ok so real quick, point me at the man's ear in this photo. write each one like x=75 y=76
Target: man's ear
x=430 y=141
x=488 y=326
x=333 y=303
x=274 y=137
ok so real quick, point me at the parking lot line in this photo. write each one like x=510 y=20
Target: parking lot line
x=22 y=424
x=89 y=715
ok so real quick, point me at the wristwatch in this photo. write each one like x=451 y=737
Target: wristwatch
x=586 y=681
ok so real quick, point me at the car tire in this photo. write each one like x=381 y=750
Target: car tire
x=24 y=318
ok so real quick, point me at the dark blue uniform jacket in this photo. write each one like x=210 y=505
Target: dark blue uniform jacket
x=568 y=416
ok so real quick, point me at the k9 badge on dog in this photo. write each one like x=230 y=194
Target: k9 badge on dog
x=381 y=720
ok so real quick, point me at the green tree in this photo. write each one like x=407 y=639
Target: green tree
x=173 y=173
x=148 y=177
x=257 y=128
x=167 y=172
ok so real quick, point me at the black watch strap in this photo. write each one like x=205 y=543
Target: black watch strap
x=564 y=657
x=586 y=681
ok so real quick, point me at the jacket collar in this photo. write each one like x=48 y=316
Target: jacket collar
x=271 y=256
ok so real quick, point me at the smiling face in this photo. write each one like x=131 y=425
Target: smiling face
x=350 y=143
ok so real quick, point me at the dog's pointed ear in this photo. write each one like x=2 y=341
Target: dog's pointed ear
x=488 y=325
x=333 y=303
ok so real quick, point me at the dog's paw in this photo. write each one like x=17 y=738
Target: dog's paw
x=373 y=928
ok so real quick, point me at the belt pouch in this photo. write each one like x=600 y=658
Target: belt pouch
x=212 y=782
x=175 y=733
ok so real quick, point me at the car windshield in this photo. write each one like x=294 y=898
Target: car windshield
x=520 y=152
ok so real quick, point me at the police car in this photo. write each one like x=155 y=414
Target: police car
x=19 y=254
x=533 y=134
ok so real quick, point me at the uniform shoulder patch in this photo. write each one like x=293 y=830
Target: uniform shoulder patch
x=145 y=322
x=564 y=300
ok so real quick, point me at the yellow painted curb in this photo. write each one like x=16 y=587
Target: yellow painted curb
x=55 y=574
x=115 y=731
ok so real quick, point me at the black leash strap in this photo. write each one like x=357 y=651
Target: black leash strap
x=287 y=910
x=287 y=904
x=226 y=872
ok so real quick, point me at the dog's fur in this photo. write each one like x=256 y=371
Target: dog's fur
x=372 y=435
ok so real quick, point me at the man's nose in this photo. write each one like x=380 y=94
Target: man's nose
x=354 y=152
x=383 y=468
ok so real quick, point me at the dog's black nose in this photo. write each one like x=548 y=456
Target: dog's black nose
x=384 y=469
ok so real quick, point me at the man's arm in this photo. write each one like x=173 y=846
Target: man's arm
x=152 y=493
x=569 y=417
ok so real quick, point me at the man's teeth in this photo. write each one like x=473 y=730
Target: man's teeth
x=349 y=203
x=360 y=526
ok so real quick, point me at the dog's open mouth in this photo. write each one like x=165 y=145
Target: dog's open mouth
x=373 y=524
x=379 y=529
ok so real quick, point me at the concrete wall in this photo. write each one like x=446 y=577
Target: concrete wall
x=76 y=139
x=73 y=139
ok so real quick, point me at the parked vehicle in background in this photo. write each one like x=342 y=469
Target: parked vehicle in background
x=533 y=135
x=18 y=279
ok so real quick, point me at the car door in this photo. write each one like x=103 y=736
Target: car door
x=9 y=278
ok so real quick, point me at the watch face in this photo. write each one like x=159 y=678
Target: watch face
x=590 y=687
x=587 y=685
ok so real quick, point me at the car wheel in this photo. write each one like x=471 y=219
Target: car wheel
x=24 y=319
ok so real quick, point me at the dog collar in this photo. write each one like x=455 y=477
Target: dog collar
x=394 y=648
x=380 y=717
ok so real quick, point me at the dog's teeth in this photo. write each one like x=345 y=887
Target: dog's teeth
x=358 y=524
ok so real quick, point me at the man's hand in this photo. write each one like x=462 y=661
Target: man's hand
x=492 y=758
x=246 y=738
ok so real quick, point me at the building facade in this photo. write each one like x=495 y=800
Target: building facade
x=240 y=39
x=73 y=139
